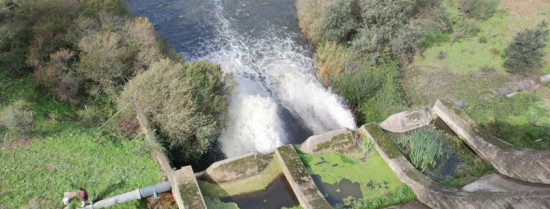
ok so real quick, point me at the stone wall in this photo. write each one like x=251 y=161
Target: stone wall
x=523 y=164
x=337 y=140
x=299 y=179
x=436 y=196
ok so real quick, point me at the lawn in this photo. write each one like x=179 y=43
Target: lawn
x=36 y=175
x=61 y=154
x=485 y=49
x=472 y=72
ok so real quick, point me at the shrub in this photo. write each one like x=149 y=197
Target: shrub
x=116 y=52
x=93 y=8
x=339 y=21
x=465 y=27
x=187 y=102
x=17 y=120
x=356 y=87
x=526 y=52
x=478 y=9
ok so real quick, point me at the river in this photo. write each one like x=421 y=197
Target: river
x=278 y=98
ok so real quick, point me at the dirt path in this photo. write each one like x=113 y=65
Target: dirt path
x=525 y=8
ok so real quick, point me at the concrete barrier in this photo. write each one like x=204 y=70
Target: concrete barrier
x=523 y=164
x=436 y=196
x=299 y=179
x=337 y=140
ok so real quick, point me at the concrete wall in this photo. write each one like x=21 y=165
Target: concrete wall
x=337 y=140
x=237 y=168
x=299 y=179
x=436 y=196
x=188 y=189
x=522 y=164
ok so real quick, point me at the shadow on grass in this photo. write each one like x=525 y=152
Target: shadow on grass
x=102 y=195
x=528 y=136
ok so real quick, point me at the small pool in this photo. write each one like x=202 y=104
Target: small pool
x=278 y=194
x=336 y=193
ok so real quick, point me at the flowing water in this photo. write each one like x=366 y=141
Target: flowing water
x=277 y=99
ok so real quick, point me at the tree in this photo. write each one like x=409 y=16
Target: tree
x=187 y=102
x=526 y=52
x=340 y=21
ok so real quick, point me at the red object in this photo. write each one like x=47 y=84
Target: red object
x=83 y=195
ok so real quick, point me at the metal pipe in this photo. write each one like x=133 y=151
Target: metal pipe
x=133 y=195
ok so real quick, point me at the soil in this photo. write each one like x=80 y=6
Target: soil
x=17 y=144
x=524 y=8
x=164 y=201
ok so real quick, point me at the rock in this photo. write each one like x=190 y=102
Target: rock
x=545 y=78
x=406 y=121
x=460 y=104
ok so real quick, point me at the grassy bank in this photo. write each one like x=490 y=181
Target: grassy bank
x=58 y=152
x=36 y=175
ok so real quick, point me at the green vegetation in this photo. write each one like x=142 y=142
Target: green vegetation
x=441 y=156
x=423 y=146
x=215 y=203
x=526 y=52
x=186 y=101
x=241 y=186
x=36 y=175
x=379 y=185
x=479 y=9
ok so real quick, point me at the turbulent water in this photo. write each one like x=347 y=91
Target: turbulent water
x=277 y=98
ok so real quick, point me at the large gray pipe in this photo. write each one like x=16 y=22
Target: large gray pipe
x=133 y=195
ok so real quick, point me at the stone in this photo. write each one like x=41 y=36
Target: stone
x=545 y=78
x=406 y=121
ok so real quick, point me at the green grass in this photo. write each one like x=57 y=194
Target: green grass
x=430 y=150
x=42 y=171
x=469 y=54
x=63 y=156
x=335 y=166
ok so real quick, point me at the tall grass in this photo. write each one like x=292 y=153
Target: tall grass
x=424 y=147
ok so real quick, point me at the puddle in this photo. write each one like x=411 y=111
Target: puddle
x=336 y=193
x=278 y=194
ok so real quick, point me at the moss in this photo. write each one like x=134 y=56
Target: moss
x=383 y=141
x=245 y=185
x=370 y=174
x=340 y=141
x=215 y=203
x=190 y=195
x=294 y=164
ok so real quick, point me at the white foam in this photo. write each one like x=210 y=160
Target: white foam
x=271 y=72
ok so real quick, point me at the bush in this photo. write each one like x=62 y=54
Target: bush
x=397 y=26
x=187 y=102
x=356 y=87
x=465 y=27
x=17 y=119
x=478 y=9
x=340 y=21
x=116 y=52
x=526 y=52
x=92 y=8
